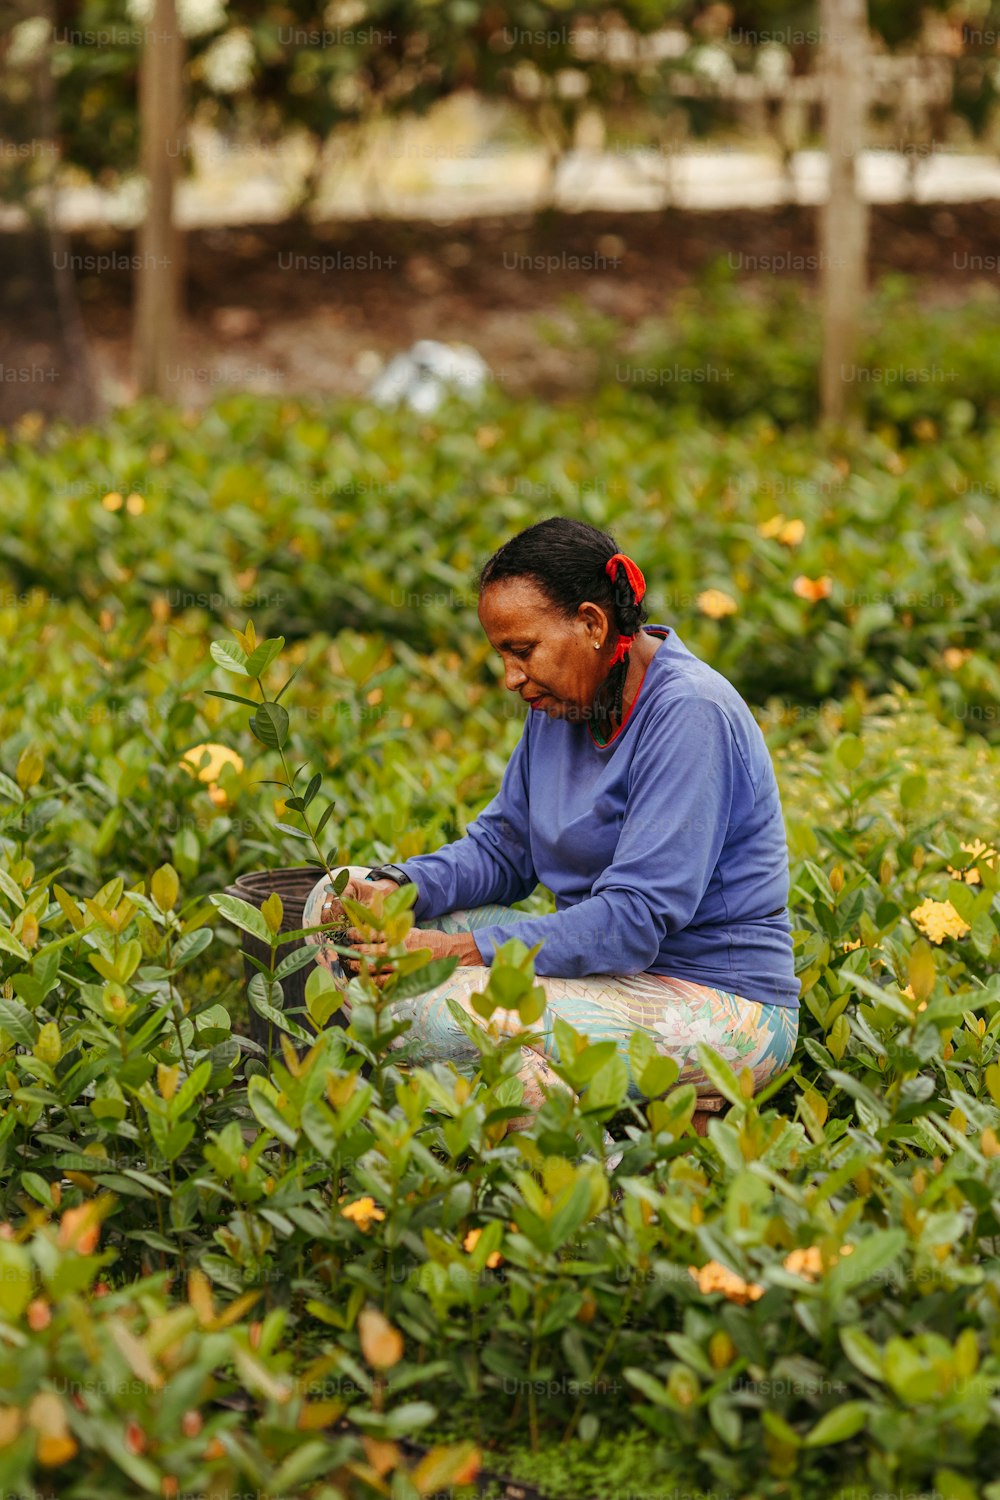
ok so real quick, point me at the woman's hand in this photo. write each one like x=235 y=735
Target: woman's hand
x=332 y=909
x=442 y=945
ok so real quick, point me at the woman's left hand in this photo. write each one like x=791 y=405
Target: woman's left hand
x=442 y=945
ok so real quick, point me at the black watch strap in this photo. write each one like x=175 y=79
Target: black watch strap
x=390 y=872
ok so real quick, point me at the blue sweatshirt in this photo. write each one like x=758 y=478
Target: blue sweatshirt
x=664 y=849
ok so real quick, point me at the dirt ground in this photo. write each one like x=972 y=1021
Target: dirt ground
x=317 y=309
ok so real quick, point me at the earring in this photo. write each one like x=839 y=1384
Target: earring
x=597 y=645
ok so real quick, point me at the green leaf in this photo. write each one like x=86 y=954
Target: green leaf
x=323 y=996
x=243 y=915
x=849 y=751
x=15 y=1279
x=608 y=1088
x=19 y=1022
x=11 y=890
x=779 y=1428
x=229 y=654
x=720 y=1074
x=192 y=1087
x=418 y=981
x=324 y=819
x=318 y=1127
x=870 y=1256
x=191 y=945
x=912 y=790
x=837 y=1425
x=863 y=1352
x=296 y=960
x=38 y=1188
x=176 y=1141
x=10 y=944
x=567 y=1219
x=259 y=661
x=531 y=1007
x=232 y=697
x=654 y=1390
x=658 y=1076
x=951 y=1485
x=270 y=725
x=268 y=1114
x=293 y=832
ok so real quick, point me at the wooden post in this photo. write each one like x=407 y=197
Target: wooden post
x=158 y=243
x=844 y=217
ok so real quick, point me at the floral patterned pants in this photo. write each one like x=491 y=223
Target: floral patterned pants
x=606 y=1007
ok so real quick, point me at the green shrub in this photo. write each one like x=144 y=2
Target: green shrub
x=798 y=569
x=730 y=348
x=803 y=1299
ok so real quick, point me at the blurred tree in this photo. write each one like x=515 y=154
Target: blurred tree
x=844 y=217
x=44 y=361
x=158 y=275
x=281 y=64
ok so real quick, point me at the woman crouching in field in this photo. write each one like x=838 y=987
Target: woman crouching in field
x=641 y=793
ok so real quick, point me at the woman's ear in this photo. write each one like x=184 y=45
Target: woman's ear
x=595 y=621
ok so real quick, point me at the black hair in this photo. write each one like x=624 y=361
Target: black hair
x=568 y=561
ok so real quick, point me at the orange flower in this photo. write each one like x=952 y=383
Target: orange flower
x=955 y=657
x=362 y=1212
x=77 y=1230
x=39 y=1314
x=813 y=589
x=716 y=603
x=792 y=533
x=808 y=1262
x=715 y=1277
x=136 y=1440
x=469 y=1470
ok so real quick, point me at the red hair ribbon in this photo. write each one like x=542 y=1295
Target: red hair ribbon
x=634 y=574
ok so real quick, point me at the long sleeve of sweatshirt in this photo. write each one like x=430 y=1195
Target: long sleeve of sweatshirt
x=681 y=788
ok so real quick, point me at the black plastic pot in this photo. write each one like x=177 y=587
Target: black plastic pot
x=293 y=884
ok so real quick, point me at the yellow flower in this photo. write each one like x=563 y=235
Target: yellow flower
x=218 y=756
x=362 y=1212
x=792 y=532
x=813 y=589
x=472 y=1240
x=771 y=527
x=978 y=850
x=938 y=920
x=715 y=1277
x=955 y=657
x=716 y=603
x=849 y=947
x=969 y=872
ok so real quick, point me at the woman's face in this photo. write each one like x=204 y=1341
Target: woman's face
x=549 y=660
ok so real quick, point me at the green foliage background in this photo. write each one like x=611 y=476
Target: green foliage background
x=184 y=1305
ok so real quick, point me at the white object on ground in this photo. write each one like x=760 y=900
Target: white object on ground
x=423 y=375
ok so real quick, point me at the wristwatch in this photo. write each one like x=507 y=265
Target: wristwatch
x=390 y=872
